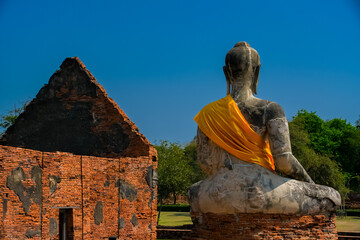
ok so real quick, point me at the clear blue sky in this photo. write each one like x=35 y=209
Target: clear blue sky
x=161 y=61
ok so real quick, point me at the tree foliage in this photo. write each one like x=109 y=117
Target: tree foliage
x=190 y=152
x=328 y=150
x=8 y=119
x=177 y=169
x=174 y=170
x=321 y=169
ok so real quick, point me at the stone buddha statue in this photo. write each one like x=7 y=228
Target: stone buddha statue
x=241 y=141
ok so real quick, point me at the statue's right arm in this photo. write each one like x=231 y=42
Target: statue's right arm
x=209 y=155
x=203 y=151
x=279 y=139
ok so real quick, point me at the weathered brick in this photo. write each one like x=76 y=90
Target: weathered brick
x=262 y=226
x=81 y=188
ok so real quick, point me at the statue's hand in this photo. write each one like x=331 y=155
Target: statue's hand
x=291 y=167
x=308 y=178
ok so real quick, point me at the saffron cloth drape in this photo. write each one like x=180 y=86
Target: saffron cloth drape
x=223 y=122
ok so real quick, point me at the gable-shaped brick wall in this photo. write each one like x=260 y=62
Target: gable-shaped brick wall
x=74 y=151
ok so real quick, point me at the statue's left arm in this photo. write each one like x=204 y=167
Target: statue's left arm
x=279 y=139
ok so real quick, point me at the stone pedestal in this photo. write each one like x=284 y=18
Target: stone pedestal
x=262 y=226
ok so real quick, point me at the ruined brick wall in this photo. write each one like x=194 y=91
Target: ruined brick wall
x=74 y=160
x=108 y=197
x=262 y=226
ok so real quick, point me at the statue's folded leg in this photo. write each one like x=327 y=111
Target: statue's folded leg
x=253 y=189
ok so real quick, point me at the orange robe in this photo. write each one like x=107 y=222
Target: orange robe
x=223 y=122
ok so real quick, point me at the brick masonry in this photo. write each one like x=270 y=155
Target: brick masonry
x=263 y=226
x=73 y=160
x=109 y=197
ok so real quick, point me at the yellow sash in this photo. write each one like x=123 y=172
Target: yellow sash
x=223 y=122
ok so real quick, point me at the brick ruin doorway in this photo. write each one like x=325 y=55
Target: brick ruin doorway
x=66 y=224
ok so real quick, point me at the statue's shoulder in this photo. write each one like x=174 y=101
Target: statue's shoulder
x=273 y=111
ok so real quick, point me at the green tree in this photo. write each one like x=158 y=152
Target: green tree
x=190 y=152
x=174 y=170
x=321 y=138
x=336 y=139
x=335 y=143
x=321 y=168
x=349 y=158
x=8 y=119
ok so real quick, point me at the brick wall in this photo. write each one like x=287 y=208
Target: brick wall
x=107 y=197
x=263 y=226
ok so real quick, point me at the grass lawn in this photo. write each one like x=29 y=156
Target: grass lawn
x=174 y=218
x=350 y=223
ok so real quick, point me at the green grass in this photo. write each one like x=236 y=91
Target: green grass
x=174 y=218
x=349 y=223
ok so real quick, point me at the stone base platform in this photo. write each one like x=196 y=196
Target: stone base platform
x=262 y=226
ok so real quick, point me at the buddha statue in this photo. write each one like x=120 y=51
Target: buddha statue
x=241 y=141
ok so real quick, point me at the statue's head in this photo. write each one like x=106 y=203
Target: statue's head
x=242 y=64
